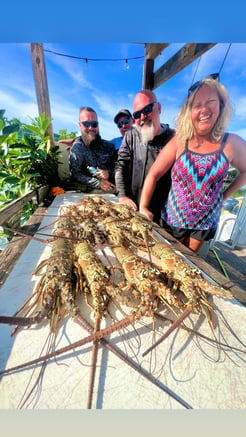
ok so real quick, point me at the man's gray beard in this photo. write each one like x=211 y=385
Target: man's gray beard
x=146 y=132
x=90 y=140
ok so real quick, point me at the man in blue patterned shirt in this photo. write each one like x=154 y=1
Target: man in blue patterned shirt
x=92 y=159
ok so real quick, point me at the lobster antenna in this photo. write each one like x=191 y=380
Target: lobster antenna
x=177 y=322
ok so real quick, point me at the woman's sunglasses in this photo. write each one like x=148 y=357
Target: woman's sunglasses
x=215 y=76
x=146 y=110
x=87 y=124
x=123 y=122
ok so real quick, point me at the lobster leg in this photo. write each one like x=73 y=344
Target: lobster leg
x=94 y=362
x=95 y=336
x=122 y=356
x=177 y=322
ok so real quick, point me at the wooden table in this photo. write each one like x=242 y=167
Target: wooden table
x=186 y=370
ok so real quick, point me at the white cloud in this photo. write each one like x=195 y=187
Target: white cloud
x=110 y=105
x=108 y=129
x=105 y=103
x=23 y=88
x=71 y=67
x=16 y=108
x=64 y=119
x=168 y=116
x=241 y=133
x=240 y=108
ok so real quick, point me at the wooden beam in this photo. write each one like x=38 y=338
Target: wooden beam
x=41 y=84
x=148 y=74
x=151 y=51
x=12 y=252
x=15 y=207
x=184 y=57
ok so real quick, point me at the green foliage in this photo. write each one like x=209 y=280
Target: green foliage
x=63 y=135
x=27 y=210
x=26 y=160
x=26 y=157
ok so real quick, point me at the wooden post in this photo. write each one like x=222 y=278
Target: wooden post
x=41 y=85
x=148 y=74
x=151 y=51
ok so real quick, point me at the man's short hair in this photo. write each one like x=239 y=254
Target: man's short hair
x=87 y=108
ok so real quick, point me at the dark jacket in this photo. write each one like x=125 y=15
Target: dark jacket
x=134 y=161
x=81 y=157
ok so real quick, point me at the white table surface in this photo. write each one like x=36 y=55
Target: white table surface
x=200 y=374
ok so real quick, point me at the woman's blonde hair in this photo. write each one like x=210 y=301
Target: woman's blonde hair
x=183 y=122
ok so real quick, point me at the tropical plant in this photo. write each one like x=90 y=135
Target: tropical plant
x=63 y=134
x=26 y=162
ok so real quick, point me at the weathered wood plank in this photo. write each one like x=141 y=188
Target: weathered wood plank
x=10 y=255
x=148 y=74
x=41 y=85
x=184 y=57
x=16 y=206
x=153 y=50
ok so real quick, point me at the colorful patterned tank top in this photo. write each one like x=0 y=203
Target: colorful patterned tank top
x=195 y=198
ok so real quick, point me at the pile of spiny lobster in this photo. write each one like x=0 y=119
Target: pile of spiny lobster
x=151 y=272
x=161 y=276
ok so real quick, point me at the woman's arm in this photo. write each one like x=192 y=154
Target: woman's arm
x=163 y=162
x=237 y=158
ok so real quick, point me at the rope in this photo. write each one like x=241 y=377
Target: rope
x=220 y=67
x=195 y=71
x=93 y=59
x=225 y=57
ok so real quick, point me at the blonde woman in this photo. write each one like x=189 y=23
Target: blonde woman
x=200 y=154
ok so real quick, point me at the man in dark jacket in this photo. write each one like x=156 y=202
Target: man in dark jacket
x=92 y=159
x=138 y=152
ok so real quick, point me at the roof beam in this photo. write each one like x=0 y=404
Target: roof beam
x=184 y=57
x=153 y=50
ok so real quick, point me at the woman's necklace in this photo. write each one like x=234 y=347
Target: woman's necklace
x=198 y=143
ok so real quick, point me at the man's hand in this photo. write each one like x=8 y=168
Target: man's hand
x=106 y=185
x=68 y=141
x=129 y=202
x=101 y=174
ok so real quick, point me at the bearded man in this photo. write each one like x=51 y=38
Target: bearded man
x=140 y=147
x=92 y=159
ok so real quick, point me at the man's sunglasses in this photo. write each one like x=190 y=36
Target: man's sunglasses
x=123 y=122
x=215 y=76
x=146 y=110
x=89 y=123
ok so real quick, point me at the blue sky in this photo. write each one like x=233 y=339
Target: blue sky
x=108 y=86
